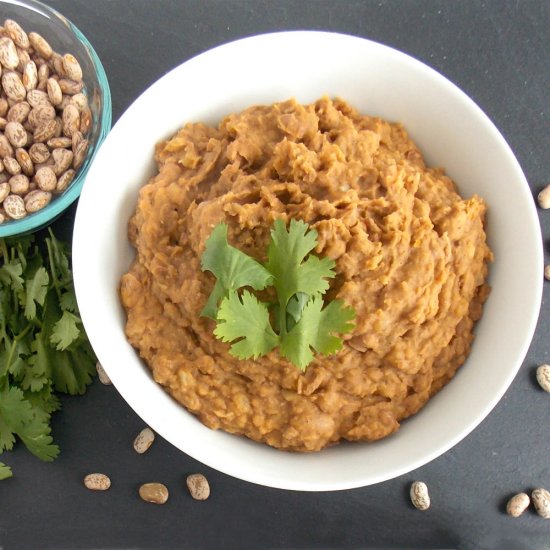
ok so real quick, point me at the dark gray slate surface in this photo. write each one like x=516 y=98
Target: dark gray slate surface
x=498 y=53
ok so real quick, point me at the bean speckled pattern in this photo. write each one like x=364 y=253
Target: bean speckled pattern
x=517 y=505
x=543 y=377
x=144 y=440
x=97 y=482
x=198 y=486
x=420 y=497
x=541 y=501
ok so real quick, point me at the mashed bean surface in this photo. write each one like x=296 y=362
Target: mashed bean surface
x=411 y=258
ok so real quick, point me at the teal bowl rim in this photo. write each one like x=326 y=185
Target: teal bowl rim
x=48 y=214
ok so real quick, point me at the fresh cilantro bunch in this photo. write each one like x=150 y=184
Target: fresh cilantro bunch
x=43 y=346
x=299 y=323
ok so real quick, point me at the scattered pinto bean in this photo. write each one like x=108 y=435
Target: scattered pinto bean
x=544 y=198
x=198 y=486
x=102 y=375
x=144 y=440
x=420 y=497
x=543 y=377
x=97 y=482
x=517 y=505
x=541 y=501
x=157 y=493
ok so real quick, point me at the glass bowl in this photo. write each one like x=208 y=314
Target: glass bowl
x=63 y=37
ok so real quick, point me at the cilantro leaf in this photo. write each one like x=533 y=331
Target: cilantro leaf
x=36 y=437
x=315 y=330
x=10 y=275
x=232 y=268
x=68 y=301
x=36 y=374
x=5 y=471
x=247 y=319
x=43 y=345
x=300 y=280
x=72 y=371
x=43 y=400
x=65 y=331
x=13 y=356
x=35 y=292
x=15 y=412
x=291 y=274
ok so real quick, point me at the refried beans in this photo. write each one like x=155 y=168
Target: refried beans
x=411 y=259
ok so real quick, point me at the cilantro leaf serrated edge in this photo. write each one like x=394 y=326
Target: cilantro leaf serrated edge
x=316 y=331
x=232 y=268
x=247 y=319
x=5 y=471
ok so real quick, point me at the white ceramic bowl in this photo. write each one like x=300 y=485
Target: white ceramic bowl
x=452 y=132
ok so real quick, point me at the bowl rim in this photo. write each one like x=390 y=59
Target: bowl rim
x=58 y=205
x=271 y=479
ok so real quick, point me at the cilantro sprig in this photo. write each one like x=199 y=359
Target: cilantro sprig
x=300 y=322
x=43 y=346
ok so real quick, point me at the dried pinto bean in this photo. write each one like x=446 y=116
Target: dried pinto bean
x=19 y=112
x=63 y=159
x=97 y=482
x=157 y=493
x=36 y=200
x=54 y=91
x=39 y=152
x=80 y=153
x=16 y=134
x=24 y=160
x=4 y=190
x=13 y=87
x=19 y=184
x=44 y=121
x=46 y=178
x=11 y=166
x=40 y=45
x=198 y=486
x=64 y=181
x=14 y=207
x=30 y=76
x=18 y=35
x=8 y=53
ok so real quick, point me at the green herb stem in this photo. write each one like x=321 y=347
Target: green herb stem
x=282 y=319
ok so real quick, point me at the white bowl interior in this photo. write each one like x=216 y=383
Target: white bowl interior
x=451 y=131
